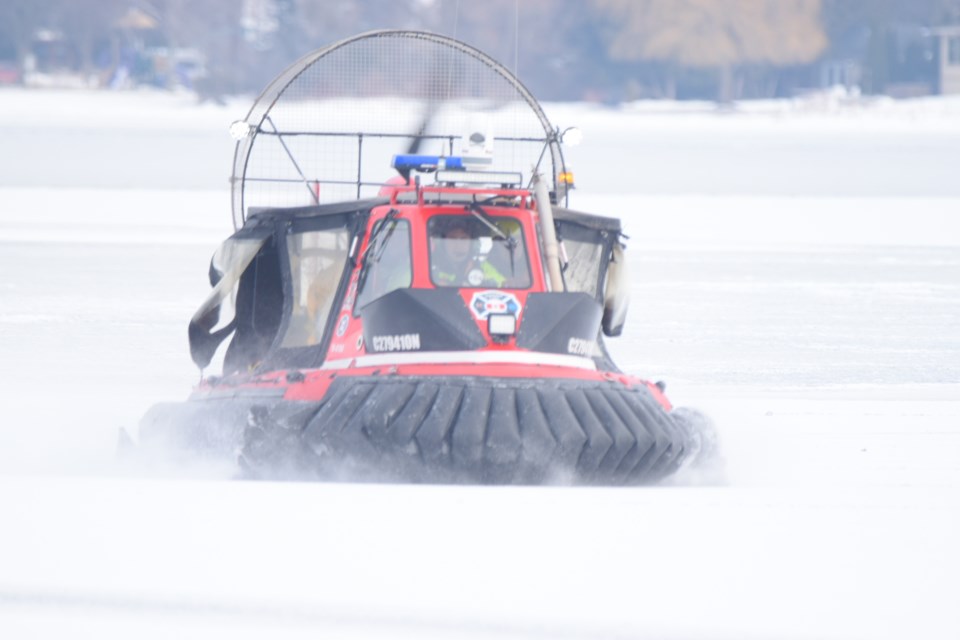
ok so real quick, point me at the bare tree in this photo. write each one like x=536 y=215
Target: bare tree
x=716 y=34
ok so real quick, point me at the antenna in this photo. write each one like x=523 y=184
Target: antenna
x=516 y=38
x=456 y=19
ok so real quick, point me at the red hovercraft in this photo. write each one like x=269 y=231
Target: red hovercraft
x=405 y=299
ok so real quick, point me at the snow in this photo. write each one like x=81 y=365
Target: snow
x=796 y=274
x=468 y=562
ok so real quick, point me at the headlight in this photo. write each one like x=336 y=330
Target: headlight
x=501 y=325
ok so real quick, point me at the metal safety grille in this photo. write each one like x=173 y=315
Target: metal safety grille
x=325 y=130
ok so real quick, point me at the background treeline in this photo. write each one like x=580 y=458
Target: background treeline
x=606 y=50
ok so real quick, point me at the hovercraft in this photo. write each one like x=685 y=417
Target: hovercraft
x=407 y=296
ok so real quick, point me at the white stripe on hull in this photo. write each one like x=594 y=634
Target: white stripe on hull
x=464 y=357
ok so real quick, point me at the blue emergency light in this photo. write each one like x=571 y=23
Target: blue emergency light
x=407 y=162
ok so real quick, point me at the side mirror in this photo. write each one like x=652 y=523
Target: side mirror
x=616 y=294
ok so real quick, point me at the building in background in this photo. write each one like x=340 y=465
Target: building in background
x=948 y=59
x=611 y=51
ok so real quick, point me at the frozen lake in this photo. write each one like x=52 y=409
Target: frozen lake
x=796 y=274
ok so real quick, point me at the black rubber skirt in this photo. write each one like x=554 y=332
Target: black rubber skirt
x=438 y=430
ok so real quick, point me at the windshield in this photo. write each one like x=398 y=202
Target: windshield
x=387 y=264
x=468 y=251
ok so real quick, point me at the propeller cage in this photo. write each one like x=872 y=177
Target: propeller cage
x=326 y=128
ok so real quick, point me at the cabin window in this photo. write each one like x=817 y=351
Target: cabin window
x=259 y=311
x=583 y=266
x=465 y=251
x=387 y=264
x=317 y=260
x=586 y=252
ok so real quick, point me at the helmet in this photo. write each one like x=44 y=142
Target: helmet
x=445 y=225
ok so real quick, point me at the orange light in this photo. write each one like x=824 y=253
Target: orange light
x=566 y=177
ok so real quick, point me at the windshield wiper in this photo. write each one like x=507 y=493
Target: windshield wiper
x=376 y=245
x=484 y=217
x=512 y=243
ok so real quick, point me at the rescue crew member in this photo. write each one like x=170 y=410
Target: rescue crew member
x=455 y=264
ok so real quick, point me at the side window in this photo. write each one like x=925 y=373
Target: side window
x=583 y=266
x=585 y=251
x=387 y=262
x=317 y=260
x=466 y=252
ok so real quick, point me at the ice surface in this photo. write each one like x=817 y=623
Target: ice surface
x=796 y=274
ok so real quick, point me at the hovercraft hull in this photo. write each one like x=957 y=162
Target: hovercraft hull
x=438 y=429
